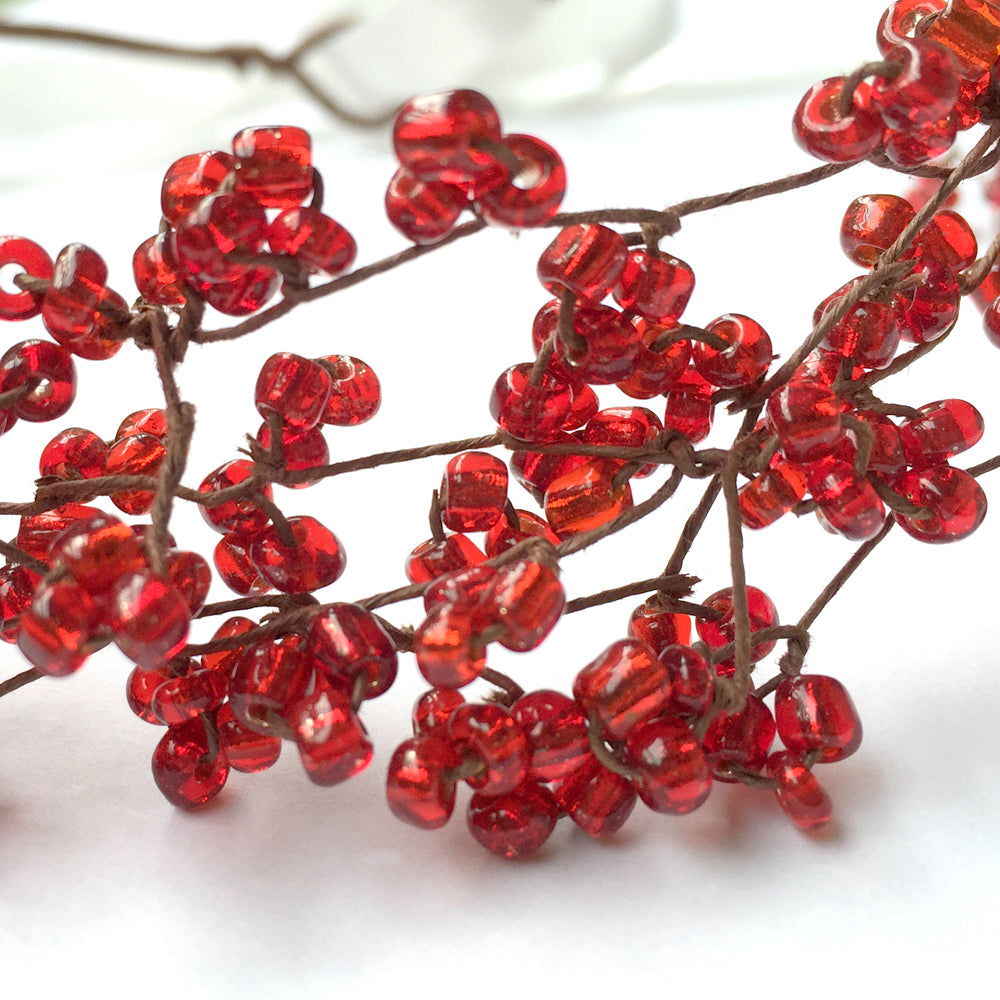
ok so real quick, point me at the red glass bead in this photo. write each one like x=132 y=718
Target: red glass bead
x=947 y=239
x=355 y=393
x=31 y=259
x=848 y=502
x=673 y=773
x=268 y=682
x=516 y=824
x=872 y=224
x=433 y=709
x=657 y=368
x=766 y=497
x=722 y=631
x=191 y=575
x=423 y=211
x=234 y=566
x=585 y=405
x=315 y=560
x=274 y=165
x=182 y=698
x=799 y=794
x=530 y=412
x=625 y=685
x=956 y=501
x=692 y=682
x=921 y=143
x=148 y=617
x=17 y=591
x=946 y=428
x=74 y=453
x=246 y=749
x=886 y=456
x=190 y=179
x=527 y=598
x=314 y=239
x=418 y=787
x=157 y=274
x=806 y=418
x=220 y=224
x=241 y=517
x=741 y=739
x=98 y=551
x=447 y=136
x=139 y=690
x=187 y=769
x=465 y=587
x=536 y=471
x=53 y=633
x=991 y=322
x=79 y=279
x=927 y=311
x=587 y=259
x=534 y=194
x=867 y=333
x=431 y=559
x=448 y=653
x=586 y=498
x=970 y=32
x=293 y=387
x=151 y=420
x=657 y=627
x=902 y=21
x=224 y=659
x=305 y=450
x=250 y=289
x=135 y=455
x=347 y=640
x=503 y=535
x=596 y=799
x=556 y=731
x=689 y=407
x=473 y=491
x=825 y=368
x=51 y=370
x=624 y=427
x=815 y=713
x=333 y=744
x=606 y=345
x=37 y=532
x=745 y=358
x=656 y=287
x=99 y=337
x=820 y=129
x=924 y=90
x=489 y=732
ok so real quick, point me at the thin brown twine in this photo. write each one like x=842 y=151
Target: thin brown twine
x=240 y=57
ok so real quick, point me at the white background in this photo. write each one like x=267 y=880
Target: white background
x=282 y=888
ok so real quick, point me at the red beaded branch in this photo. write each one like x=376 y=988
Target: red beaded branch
x=658 y=715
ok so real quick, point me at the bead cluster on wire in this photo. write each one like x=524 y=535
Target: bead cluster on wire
x=660 y=715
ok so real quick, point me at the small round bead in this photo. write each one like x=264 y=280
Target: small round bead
x=867 y=333
x=690 y=409
x=314 y=239
x=923 y=91
x=268 y=682
x=423 y=211
x=274 y=165
x=32 y=260
x=586 y=497
x=37 y=532
x=516 y=824
x=246 y=749
x=433 y=709
x=722 y=631
x=49 y=369
x=945 y=429
x=240 y=517
x=157 y=274
x=534 y=195
x=536 y=471
x=315 y=560
x=556 y=731
x=17 y=590
x=302 y=451
x=947 y=239
x=820 y=129
x=928 y=310
x=191 y=575
x=741 y=739
x=799 y=794
x=181 y=698
x=294 y=388
x=503 y=535
x=448 y=655
x=956 y=501
x=473 y=491
x=135 y=455
x=418 y=788
x=527 y=599
x=150 y=420
x=586 y=259
x=657 y=627
x=806 y=418
x=139 y=690
x=674 y=776
x=815 y=713
x=902 y=21
x=74 y=453
x=355 y=392
x=223 y=659
x=431 y=559
x=347 y=639
x=464 y=587
x=692 y=682
x=148 y=617
x=871 y=225
x=660 y=361
x=186 y=769
x=596 y=799
x=190 y=179
x=530 y=412
x=233 y=564
x=745 y=358
x=98 y=551
x=332 y=742
x=53 y=632
x=624 y=427
x=220 y=224
x=491 y=733
x=249 y=289
x=656 y=287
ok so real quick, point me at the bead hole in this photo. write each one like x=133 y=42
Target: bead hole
x=8 y=272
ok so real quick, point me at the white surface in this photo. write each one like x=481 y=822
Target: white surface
x=285 y=889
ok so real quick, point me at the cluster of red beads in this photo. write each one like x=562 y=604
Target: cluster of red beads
x=841 y=454
x=222 y=212
x=935 y=81
x=634 y=728
x=453 y=156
